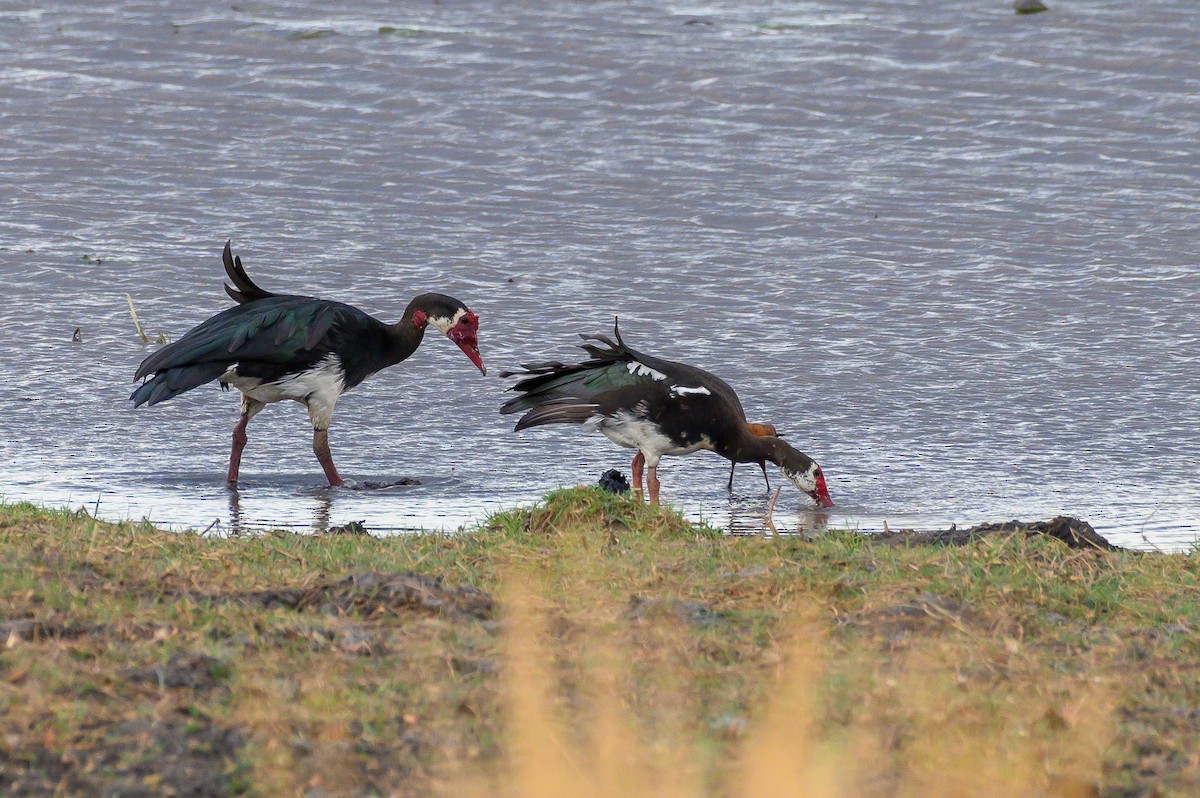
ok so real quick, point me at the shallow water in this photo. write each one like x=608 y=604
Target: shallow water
x=949 y=251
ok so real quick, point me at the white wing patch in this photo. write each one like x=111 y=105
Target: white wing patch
x=680 y=390
x=642 y=370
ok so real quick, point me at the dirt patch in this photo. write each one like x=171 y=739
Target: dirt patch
x=371 y=594
x=1161 y=741
x=923 y=611
x=692 y=613
x=136 y=758
x=356 y=639
x=27 y=630
x=1075 y=533
x=13 y=633
x=185 y=669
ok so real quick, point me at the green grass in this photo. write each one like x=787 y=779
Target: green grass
x=1014 y=660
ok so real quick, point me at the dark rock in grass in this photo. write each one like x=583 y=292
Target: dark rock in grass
x=1029 y=6
x=1075 y=533
x=349 y=528
x=614 y=481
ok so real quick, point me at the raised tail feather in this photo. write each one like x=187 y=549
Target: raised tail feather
x=542 y=378
x=616 y=350
x=555 y=393
x=244 y=289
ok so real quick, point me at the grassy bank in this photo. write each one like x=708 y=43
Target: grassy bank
x=589 y=646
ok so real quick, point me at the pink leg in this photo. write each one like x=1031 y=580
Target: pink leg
x=235 y=454
x=639 y=460
x=652 y=483
x=325 y=457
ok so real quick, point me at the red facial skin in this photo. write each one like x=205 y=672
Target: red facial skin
x=821 y=494
x=464 y=334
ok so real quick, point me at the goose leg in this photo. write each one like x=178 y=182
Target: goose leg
x=235 y=454
x=320 y=412
x=763 y=466
x=325 y=457
x=652 y=482
x=732 y=466
x=639 y=460
x=250 y=408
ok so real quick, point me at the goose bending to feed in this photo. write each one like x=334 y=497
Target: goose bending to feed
x=273 y=347
x=655 y=406
x=761 y=430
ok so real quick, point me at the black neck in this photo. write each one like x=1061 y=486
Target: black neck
x=760 y=449
x=406 y=335
x=751 y=449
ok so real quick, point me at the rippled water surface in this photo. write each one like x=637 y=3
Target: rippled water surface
x=950 y=251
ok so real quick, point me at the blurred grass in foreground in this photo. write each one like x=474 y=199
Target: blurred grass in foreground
x=589 y=646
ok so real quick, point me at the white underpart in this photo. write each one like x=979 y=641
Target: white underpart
x=642 y=370
x=318 y=388
x=680 y=390
x=630 y=430
x=444 y=324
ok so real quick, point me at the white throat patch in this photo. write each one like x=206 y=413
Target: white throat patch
x=805 y=481
x=444 y=324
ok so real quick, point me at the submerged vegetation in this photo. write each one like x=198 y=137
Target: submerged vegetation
x=590 y=645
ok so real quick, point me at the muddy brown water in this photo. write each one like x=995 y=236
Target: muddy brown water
x=950 y=251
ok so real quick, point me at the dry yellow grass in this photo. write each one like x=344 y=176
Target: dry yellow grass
x=918 y=733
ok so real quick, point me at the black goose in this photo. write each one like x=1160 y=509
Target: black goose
x=273 y=347
x=655 y=406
